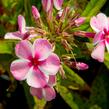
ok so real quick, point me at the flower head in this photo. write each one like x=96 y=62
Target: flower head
x=36 y=62
x=100 y=24
x=23 y=32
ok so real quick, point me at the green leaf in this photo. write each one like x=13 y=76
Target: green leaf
x=106 y=60
x=7 y=46
x=73 y=80
x=93 y=7
x=67 y=96
x=100 y=89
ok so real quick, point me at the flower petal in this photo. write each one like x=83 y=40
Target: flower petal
x=36 y=92
x=42 y=48
x=21 y=24
x=13 y=35
x=98 y=37
x=52 y=80
x=58 y=4
x=19 y=69
x=51 y=65
x=24 y=49
x=107 y=44
x=36 y=78
x=49 y=93
x=99 y=23
x=98 y=52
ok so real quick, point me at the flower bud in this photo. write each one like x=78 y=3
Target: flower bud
x=85 y=34
x=79 y=21
x=58 y=4
x=81 y=66
x=59 y=14
x=35 y=12
x=47 y=4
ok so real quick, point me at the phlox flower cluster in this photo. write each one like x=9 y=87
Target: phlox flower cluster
x=37 y=63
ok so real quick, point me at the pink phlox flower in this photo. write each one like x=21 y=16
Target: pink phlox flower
x=23 y=32
x=100 y=24
x=36 y=62
x=47 y=92
x=48 y=4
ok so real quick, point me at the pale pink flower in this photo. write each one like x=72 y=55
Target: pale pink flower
x=48 y=4
x=36 y=62
x=47 y=92
x=35 y=12
x=23 y=32
x=100 y=24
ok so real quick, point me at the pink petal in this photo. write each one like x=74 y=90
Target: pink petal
x=13 y=35
x=35 y=12
x=98 y=52
x=58 y=4
x=49 y=93
x=36 y=78
x=51 y=65
x=52 y=80
x=21 y=24
x=98 y=37
x=42 y=48
x=47 y=4
x=32 y=36
x=24 y=49
x=36 y=92
x=19 y=69
x=99 y=23
x=107 y=44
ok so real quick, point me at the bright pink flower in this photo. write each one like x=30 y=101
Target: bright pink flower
x=35 y=12
x=23 y=32
x=47 y=92
x=48 y=4
x=36 y=62
x=100 y=24
x=81 y=66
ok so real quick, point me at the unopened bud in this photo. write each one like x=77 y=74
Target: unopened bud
x=79 y=21
x=66 y=45
x=47 y=4
x=62 y=72
x=58 y=4
x=85 y=34
x=81 y=66
x=35 y=12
